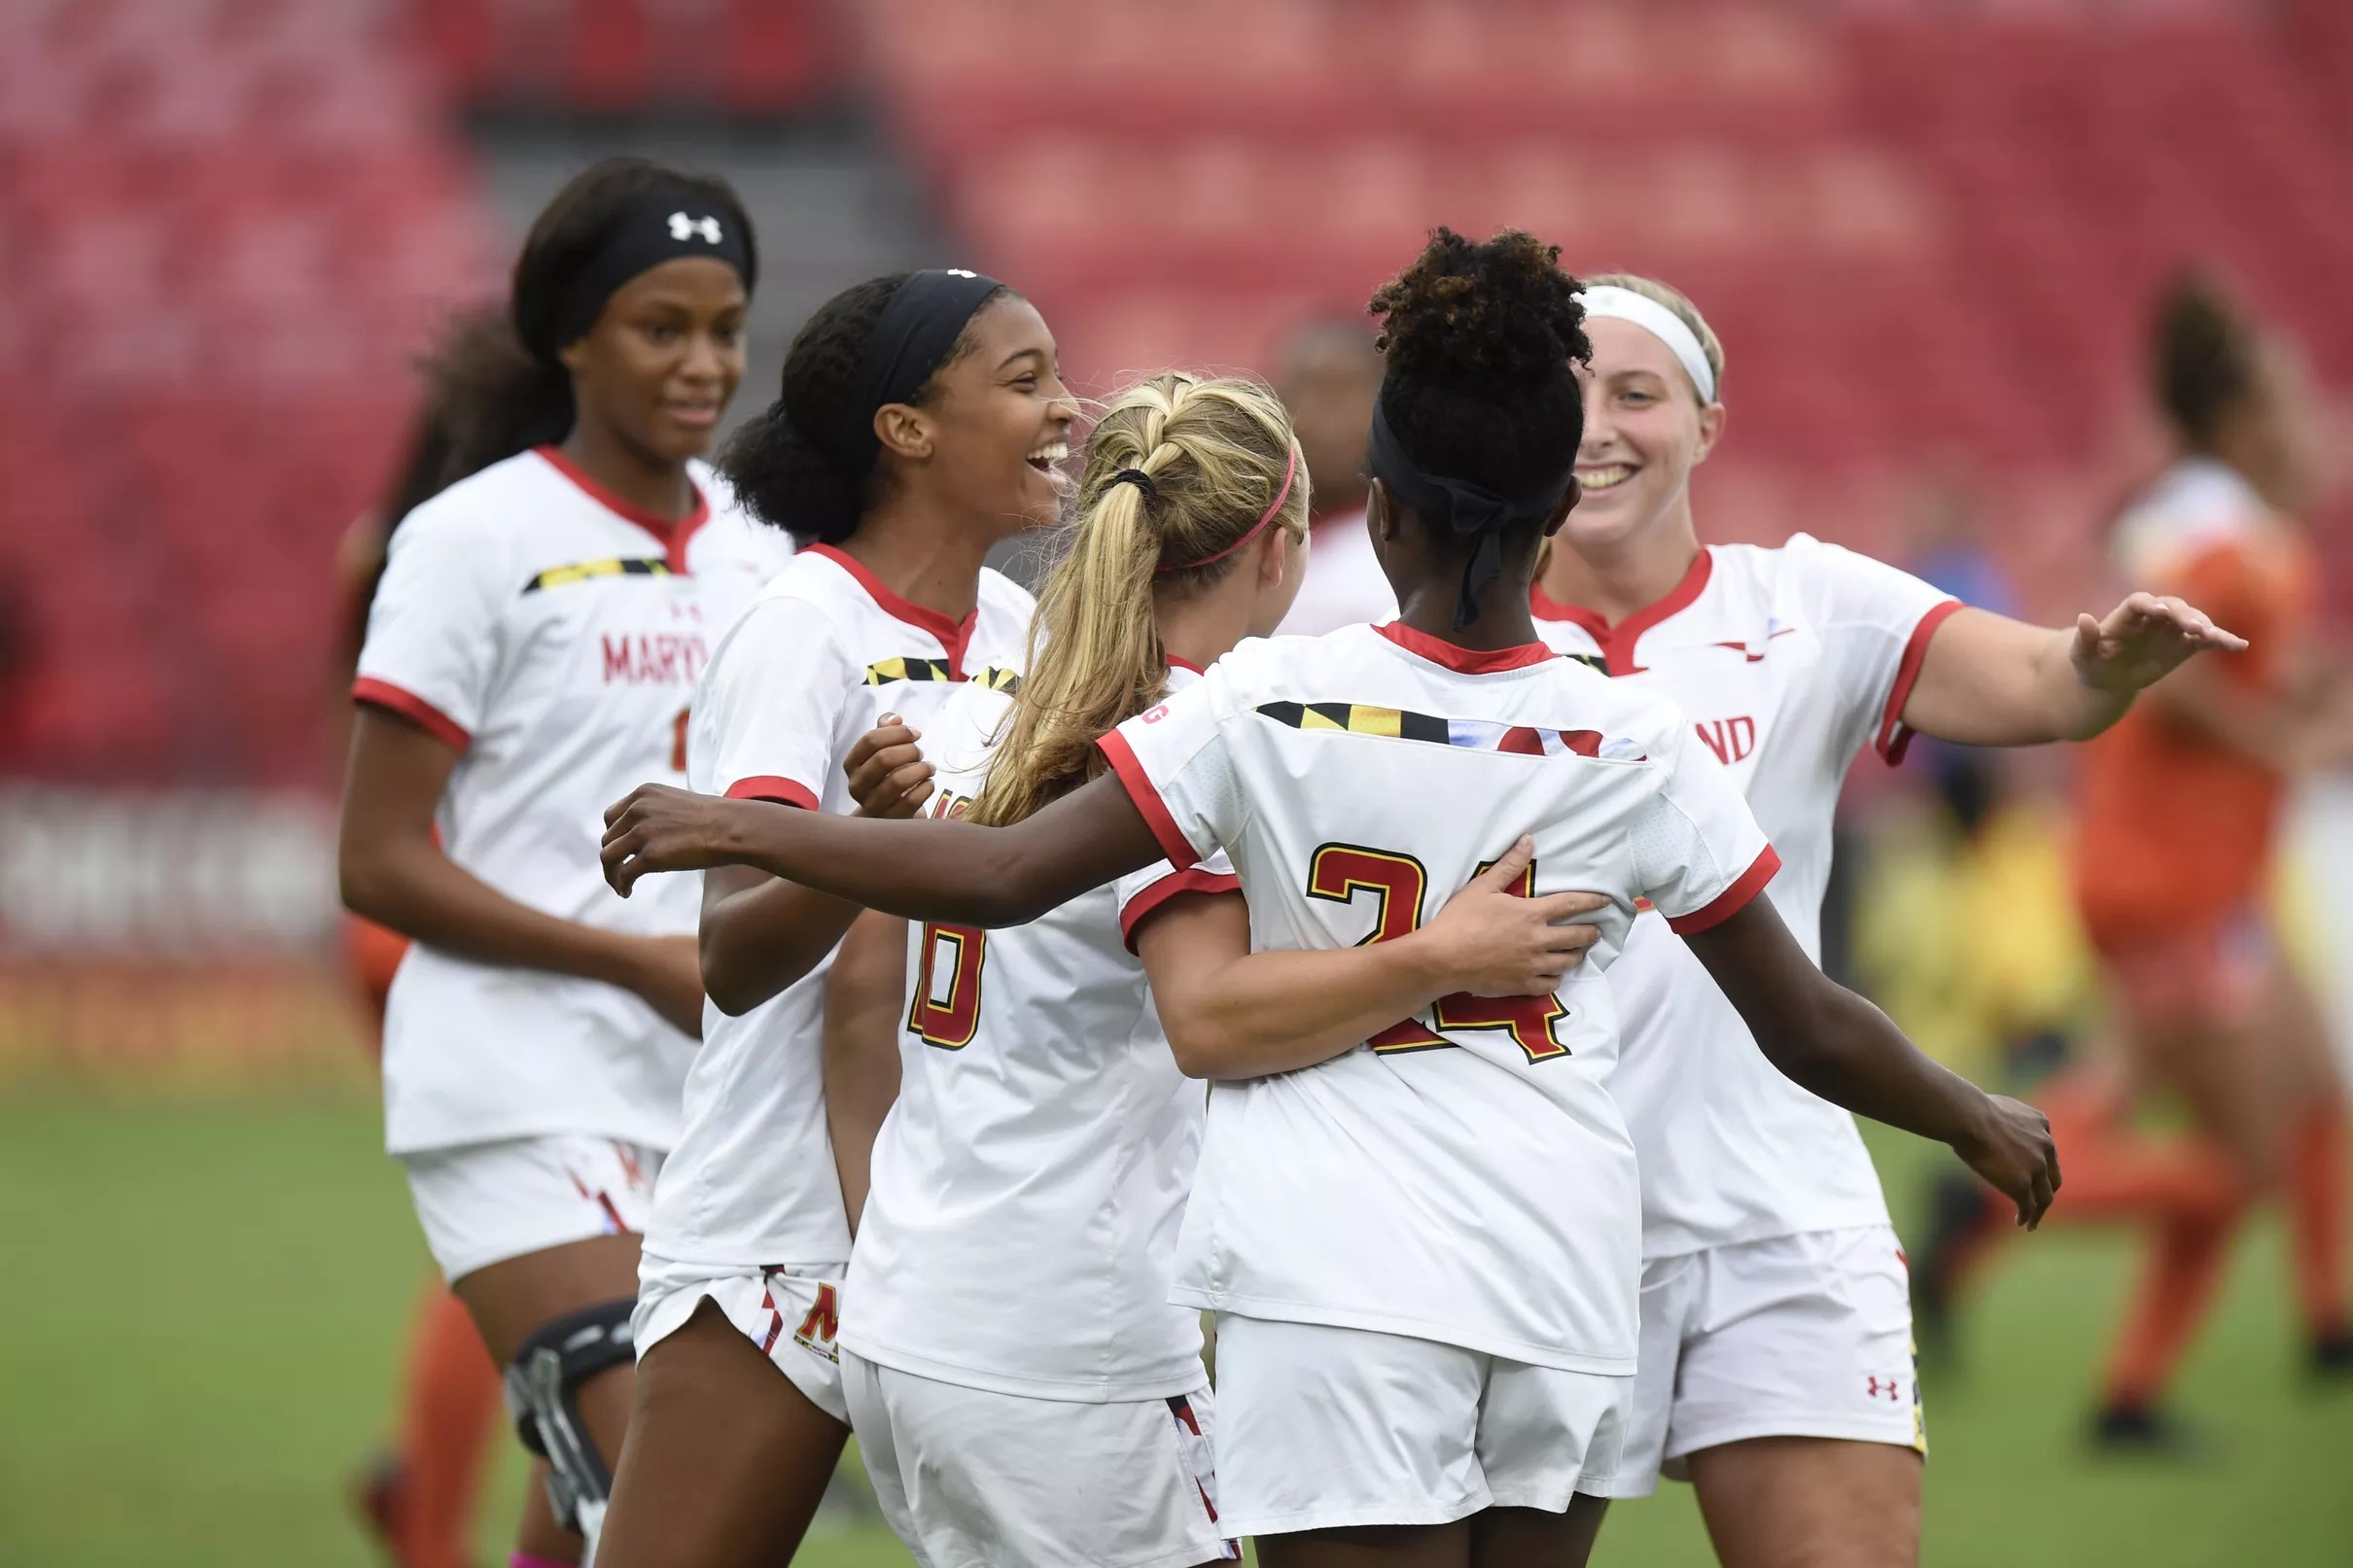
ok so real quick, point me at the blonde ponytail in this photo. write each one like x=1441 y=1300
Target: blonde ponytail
x=1179 y=473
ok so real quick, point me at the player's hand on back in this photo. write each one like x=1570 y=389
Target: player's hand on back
x=2013 y=1149
x=886 y=770
x=1498 y=943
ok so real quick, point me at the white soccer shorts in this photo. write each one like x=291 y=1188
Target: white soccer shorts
x=482 y=1203
x=790 y=1312
x=970 y=1476
x=1806 y=1336
x=1322 y=1427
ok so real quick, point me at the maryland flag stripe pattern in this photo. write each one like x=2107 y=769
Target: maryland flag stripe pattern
x=615 y=566
x=1471 y=734
x=883 y=672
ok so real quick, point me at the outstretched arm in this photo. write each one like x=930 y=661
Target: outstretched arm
x=1827 y=1039
x=1990 y=681
x=930 y=870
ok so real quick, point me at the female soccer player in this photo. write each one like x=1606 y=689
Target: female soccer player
x=2178 y=811
x=1014 y=1262
x=1422 y=1253
x=534 y=639
x=920 y=421
x=1776 y=1361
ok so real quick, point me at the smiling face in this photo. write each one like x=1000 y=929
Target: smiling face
x=663 y=359
x=1644 y=432
x=990 y=439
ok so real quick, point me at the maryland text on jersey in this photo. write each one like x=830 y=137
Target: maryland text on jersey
x=1471 y=734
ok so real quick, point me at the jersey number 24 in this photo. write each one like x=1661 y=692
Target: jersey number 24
x=1399 y=882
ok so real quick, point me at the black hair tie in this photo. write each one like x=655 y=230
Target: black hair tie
x=1140 y=479
x=1466 y=510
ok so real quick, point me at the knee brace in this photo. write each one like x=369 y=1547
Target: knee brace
x=542 y=1385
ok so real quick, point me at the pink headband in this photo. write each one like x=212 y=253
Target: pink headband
x=1290 y=466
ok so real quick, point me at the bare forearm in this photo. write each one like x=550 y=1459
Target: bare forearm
x=1853 y=1056
x=2061 y=707
x=863 y=999
x=945 y=870
x=1279 y=1011
x=759 y=935
x=410 y=887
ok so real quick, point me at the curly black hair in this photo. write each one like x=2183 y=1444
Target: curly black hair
x=1478 y=339
x=791 y=467
x=2205 y=358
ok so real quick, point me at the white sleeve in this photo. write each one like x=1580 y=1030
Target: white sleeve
x=1179 y=769
x=1140 y=892
x=769 y=707
x=1698 y=854
x=434 y=630
x=1875 y=622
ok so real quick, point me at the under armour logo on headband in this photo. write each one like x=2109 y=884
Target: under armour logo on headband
x=960 y=272
x=683 y=228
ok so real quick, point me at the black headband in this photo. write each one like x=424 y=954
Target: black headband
x=1462 y=508
x=672 y=218
x=913 y=337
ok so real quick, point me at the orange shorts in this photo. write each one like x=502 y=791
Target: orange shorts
x=2214 y=968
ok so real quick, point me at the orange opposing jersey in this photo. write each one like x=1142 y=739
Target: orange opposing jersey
x=2169 y=821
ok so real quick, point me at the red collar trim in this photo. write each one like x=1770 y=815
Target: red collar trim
x=1175 y=663
x=1617 y=642
x=953 y=634
x=673 y=535
x=1464 y=660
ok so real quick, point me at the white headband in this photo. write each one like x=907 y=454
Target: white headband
x=1663 y=323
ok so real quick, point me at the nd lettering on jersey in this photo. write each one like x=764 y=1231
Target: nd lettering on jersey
x=1398 y=883
x=1730 y=738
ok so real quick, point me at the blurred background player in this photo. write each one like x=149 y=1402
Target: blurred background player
x=1330 y=373
x=2178 y=815
x=536 y=632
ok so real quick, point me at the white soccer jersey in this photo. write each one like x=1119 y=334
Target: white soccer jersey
x=1021 y=1229
x=1463 y=1176
x=1790 y=661
x=823 y=652
x=733 y=556
x=552 y=632
x=1344 y=586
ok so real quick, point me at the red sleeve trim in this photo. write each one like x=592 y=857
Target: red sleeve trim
x=784 y=792
x=413 y=707
x=1124 y=763
x=1733 y=899
x=1171 y=886
x=1894 y=738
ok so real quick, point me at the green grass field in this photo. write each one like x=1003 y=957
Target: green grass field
x=202 y=1301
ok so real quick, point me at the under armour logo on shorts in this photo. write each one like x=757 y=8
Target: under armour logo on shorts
x=685 y=227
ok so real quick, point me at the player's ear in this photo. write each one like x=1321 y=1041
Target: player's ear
x=1568 y=504
x=904 y=429
x=1380 y=517
x=1712 y=431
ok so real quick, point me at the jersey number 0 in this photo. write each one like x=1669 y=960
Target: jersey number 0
x=1397 y=882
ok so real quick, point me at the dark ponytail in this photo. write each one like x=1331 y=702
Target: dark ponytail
x=2205 y=359
x=793 y=466
x=497 y=386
